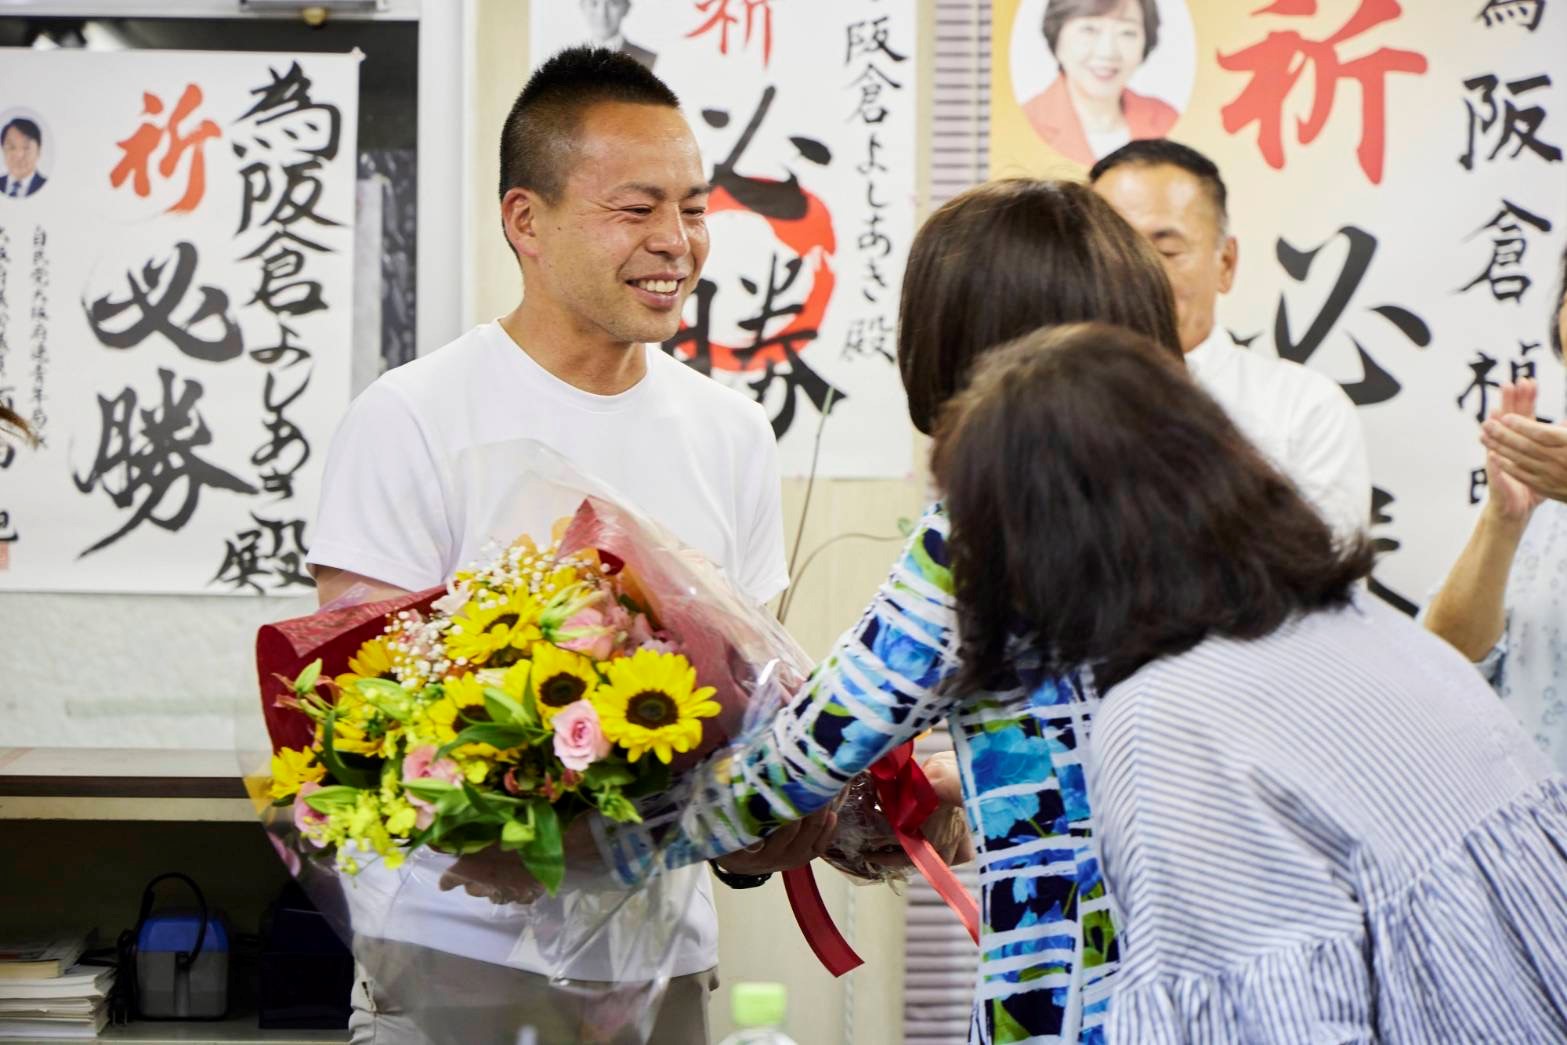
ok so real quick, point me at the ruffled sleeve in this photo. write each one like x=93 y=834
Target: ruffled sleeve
x=1473 y=949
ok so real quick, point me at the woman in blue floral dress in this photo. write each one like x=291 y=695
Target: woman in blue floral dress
x=989 y=266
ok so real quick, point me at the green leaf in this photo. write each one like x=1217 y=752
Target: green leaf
x=385 y=696
x=332 y=799
x=530 y=702
x=479 y=802
x=501 y=737
x=615 y=805
x=450 y=825
x=429 y=789
x=515 y=833
x=469 y=836
x=509 y=801
x=306 y=682
x=544 y=856
x=504 y=711
x=454 y=803
x=366 y=778
x=608 y=772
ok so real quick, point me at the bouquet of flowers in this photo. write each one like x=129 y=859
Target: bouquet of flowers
x=540 y=687
x=462 y=735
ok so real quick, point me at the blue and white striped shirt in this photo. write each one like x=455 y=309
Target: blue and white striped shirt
x=1332 y=834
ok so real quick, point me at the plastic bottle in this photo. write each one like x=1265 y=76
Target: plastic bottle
x=758 y=1010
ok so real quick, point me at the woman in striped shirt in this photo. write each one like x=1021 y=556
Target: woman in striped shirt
x=989 y=266
x=1320 y=823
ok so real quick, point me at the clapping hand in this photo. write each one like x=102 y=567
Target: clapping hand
x=1525 y=460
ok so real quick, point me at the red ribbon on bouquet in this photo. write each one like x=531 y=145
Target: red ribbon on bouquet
x=816 y=924
x=907 y=800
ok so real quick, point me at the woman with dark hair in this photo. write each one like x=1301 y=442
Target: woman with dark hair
x=1088 y=111
x=1503 y=604
x=989 y=266
x=1320 y=825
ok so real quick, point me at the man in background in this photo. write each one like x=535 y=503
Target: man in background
x=1300 y=419
x=604 y=18
x=22 y=141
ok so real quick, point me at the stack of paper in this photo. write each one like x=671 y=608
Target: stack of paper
x=70 y=1003
x=45 y=957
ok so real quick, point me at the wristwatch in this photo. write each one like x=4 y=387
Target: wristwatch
x=738 y=881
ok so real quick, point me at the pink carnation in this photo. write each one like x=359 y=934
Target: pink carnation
x=579 y=737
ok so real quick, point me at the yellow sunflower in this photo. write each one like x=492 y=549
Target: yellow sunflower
x=373 y=661
x=291 y=768
x=497 y=633
x=459 y=695
x=651 y=703
x=560 y=678
x=361 y=728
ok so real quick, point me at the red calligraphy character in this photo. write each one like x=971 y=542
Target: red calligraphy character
x=137 y=150
x=1276 y=65
x=758 y=17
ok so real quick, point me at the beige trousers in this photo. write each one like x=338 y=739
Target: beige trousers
x=461 y=1001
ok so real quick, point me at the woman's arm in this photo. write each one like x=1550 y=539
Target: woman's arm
x=874 y=691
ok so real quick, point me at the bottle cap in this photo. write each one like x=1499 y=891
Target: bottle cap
x=759 y=1004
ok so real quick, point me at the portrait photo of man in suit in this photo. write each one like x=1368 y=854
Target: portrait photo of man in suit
x=604 y=18
x=22 y=141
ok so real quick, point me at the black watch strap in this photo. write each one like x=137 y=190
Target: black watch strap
x=738 y=881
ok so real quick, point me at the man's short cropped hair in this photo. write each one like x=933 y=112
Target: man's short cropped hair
x=1158 y=152
x=539 y=137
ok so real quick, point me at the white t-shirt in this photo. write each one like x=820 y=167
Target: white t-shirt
x=397 y=506
x=1301 y=420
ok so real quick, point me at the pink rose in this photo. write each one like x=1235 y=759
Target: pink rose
x=579 y=738
x=421 y=764
x=305 y=817
x=587 y=631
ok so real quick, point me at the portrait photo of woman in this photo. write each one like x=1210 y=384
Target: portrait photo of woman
x=1088 y=109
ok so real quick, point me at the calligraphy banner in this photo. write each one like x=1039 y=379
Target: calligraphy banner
x=805 y=113
x=1397 y=190
x=176 y=236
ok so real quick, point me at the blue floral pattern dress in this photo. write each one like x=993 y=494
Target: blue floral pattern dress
x=1048 y=938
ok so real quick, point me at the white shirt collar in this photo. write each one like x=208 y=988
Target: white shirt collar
x=1208 y=354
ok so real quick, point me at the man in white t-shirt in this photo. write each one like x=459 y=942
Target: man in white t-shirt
x=1300 y=419
x=602 y=198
